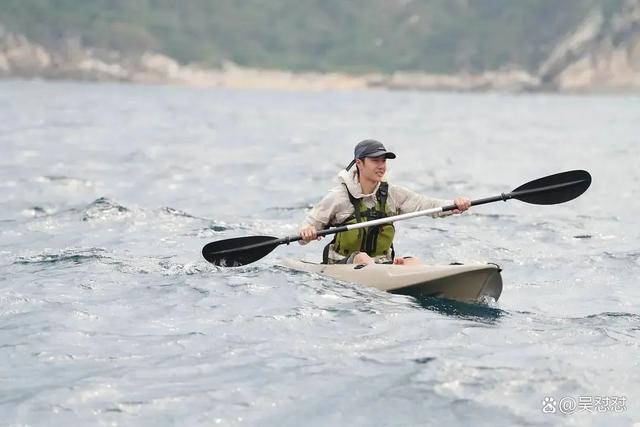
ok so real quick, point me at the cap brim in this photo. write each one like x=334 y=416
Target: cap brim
x=380 y=153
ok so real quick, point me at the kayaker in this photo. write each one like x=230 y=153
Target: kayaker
x=364 y=195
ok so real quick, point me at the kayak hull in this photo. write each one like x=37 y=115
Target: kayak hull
x=460 y=282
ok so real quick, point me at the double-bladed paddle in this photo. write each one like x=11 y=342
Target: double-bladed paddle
x=550 y=190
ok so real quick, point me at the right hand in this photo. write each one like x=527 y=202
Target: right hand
x=309 y=233
x=462 y=204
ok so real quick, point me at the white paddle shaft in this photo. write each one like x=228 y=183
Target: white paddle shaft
x=394 y=218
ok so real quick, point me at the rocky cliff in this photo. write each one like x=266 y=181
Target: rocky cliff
x=602 y=54
x=23 y=58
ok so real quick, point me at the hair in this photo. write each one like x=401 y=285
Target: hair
x=358 y=169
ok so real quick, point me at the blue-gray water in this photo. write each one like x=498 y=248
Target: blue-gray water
x=109 y=316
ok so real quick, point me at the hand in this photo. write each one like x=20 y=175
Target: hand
x=309 y=233
x=462 y=204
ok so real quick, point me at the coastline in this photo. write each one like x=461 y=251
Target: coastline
x=586 y=61
x=152 y=68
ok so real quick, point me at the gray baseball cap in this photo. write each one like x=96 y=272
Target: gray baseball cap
x=370 y=148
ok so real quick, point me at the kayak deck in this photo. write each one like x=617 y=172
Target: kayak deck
x=460 y=282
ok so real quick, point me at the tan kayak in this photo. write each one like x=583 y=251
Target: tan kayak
x=460 y=282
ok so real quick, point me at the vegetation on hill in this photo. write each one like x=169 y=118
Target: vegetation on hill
x=436 y=36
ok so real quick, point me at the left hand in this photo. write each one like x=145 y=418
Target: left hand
x=462 y=203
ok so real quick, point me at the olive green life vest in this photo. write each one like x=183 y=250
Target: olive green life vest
x=376 y=240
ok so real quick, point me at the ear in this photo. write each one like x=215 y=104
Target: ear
x=359 y=162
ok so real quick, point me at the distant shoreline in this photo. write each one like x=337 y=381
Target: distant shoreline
x=256 y=79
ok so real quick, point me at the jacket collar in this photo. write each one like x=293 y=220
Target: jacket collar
x=350 y=179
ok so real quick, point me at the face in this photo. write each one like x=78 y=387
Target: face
x=372 y=168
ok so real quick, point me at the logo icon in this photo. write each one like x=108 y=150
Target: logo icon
x=568 y=405
x=549 y=405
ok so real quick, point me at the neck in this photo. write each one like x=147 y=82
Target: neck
x=367 y=185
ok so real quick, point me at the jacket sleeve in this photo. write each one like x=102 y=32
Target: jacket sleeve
x=410 y=201
x=323 y=212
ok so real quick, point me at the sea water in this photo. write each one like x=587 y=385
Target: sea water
x=110 y=316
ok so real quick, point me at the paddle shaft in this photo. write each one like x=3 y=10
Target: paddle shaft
x=504 y=197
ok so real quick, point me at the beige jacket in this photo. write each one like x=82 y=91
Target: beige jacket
x=336 y=207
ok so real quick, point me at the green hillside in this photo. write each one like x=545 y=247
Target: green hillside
x=325 y=35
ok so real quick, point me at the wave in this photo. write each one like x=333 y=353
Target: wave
x=291 y=208
x=64 y=180
x=77 y=256
x=491 y=215
x=37 y=211
x=103 y=208
x=633 y=256
x=125 y=263
x=618 y=326
x=608 y=315
x=169 y=268
x=210 y=230
x=177 y=213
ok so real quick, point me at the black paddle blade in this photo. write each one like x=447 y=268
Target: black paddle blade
x=554 y=189
x=239 y=251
